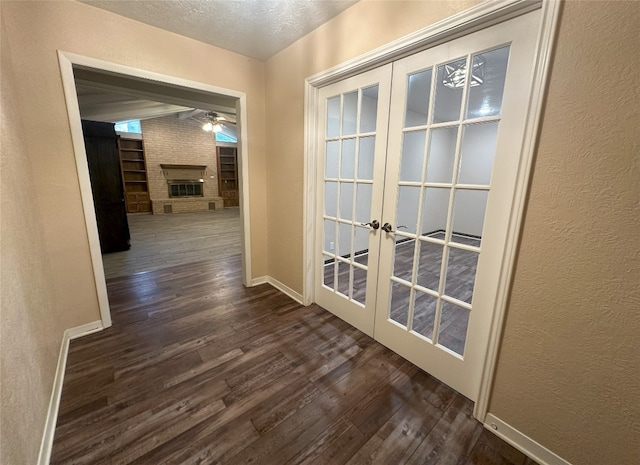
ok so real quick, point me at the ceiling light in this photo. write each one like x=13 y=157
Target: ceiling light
x=456 y=73
x=217 y=127
x=208 y=126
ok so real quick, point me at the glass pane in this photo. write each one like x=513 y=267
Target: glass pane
x=403 y=260
x=434 y=211
x=361 y=245
x=329 y=268
x=363 y=203
x=466 y=240
x=461 y=274
x=330 y=198
x=329 y=242
x=348 y=166
x=429 y=264
x=333 y=116
x=343 y=278
x=349 y=113
x=418 y=89
x=359 y=285
x=424 y=314
x=407 y=211
x=449 y=85
x=454 y=321
x=469 y=207
x=478 y=149
x=344 y=240
x=442 y=151
x=399 y=310
x=366 y=156
x=487 y=83
x=331 y=160
x=412 y=156
x=346 y=200
x=369 y=109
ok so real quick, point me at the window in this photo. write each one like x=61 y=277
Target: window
x=132 y=125
x=222 y=137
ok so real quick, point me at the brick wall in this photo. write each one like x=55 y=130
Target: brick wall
x=170 y=140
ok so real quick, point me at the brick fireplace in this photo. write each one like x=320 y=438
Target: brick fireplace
x=186 y=190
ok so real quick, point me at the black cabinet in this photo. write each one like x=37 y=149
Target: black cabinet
x=101 y=144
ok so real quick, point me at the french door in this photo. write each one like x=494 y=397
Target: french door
x=353 y=135
x=414 y=209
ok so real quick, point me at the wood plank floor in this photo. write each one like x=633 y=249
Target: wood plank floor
x=198 y=369
x=161 y=241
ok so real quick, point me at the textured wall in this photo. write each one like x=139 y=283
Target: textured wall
x=173 y=141
x=569 y=369
x=46 y=267
x=29 y=331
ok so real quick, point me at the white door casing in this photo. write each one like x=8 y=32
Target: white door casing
x=530 y=99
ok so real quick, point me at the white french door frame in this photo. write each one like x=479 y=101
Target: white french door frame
x=479 y=17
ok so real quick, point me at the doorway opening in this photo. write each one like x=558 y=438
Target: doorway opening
x=170 y=153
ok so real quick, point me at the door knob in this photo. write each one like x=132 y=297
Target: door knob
x=388 y=228
x=373 y=223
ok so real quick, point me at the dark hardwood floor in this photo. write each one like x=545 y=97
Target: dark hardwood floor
x=200 y=370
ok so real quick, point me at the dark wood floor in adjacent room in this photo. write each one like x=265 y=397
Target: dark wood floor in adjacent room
x=199 y=370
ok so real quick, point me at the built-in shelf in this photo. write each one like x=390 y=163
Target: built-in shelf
x=134 y=175
x=228 y=175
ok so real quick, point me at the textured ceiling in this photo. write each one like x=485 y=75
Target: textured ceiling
x=255 y=28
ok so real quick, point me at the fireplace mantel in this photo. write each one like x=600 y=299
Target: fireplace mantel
x=183 y=172
x=166 y=166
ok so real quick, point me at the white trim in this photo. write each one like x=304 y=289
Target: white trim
x=73 y=112
x=54 y=402
x=522 y=442
x=66 y=61
x=478 y=17
x=84 y=330
x=259 y=281
x=279 y=286
x=546 y=40
x=243 y=165
x=309 y=191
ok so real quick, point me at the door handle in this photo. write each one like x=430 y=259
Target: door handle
x=389 y=229
x=373 y=223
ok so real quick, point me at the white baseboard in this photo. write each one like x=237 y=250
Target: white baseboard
x=54 y=402
x=278 y=285
x=260 y=280
x=84 y=330
x=522 y=442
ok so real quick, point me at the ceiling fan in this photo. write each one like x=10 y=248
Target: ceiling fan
x=214 y=122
